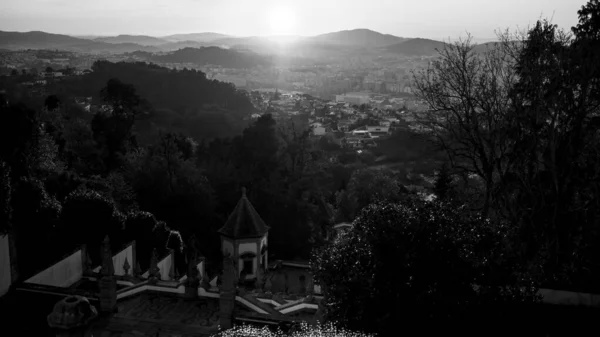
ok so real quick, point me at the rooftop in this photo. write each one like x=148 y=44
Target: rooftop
x=244 y=221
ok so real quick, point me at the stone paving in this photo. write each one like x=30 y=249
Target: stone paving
x=153 y=314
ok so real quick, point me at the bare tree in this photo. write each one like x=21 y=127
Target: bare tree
x=468 y=91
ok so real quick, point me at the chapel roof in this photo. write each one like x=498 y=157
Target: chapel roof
x=244 y=221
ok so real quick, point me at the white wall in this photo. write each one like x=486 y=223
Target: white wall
x=227 y=247
x=119 y=260
x=164 y=266
x=5 y=275
x=62 y=274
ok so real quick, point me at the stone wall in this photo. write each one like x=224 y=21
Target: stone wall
x=5 y=272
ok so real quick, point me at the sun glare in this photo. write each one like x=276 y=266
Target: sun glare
x=282 y=20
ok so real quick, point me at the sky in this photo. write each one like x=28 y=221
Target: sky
x=434 y=19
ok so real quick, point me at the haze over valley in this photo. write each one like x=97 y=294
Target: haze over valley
x=287 y=168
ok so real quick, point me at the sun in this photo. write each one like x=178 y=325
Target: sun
x=282 y=20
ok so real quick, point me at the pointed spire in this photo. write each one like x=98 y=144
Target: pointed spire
x=108 y=269
x=244 y=221
x=88 y=261
x=126 y=266
x=137 y=271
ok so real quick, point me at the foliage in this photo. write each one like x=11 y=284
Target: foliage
x=443 y=182
x=469 y=108
x=88 y=217
x=304 y=330
x=404 y=259
x=18 y=128
x=5 y=199
x=366 y=186
x=183 y=100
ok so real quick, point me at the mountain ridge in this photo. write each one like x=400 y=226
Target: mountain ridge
x=331 y=44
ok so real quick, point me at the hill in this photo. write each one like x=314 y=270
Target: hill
x=185 y=101
x=137 y=39
x=213 y=55
x=198 y=37
x=42 y=40
x=358 y=38
x=416 y=47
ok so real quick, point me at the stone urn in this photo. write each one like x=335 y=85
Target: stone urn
x=71 y=315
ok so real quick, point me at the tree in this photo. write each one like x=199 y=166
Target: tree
x=52 y=102
x=403 y=260
x=443 y=182
x=14 y=73
x=552 y=191
x=35 y=217
x=113 y=129
x=5 y=199
x=469 y=109
x=49 y=70
x=87 y=217
x=19 y=130
x=367 y=186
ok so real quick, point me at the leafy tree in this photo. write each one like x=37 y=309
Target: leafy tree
x=113 y=130
x=52 y=102
x=5 y=199
x=140 y=226
x=19 y=126
x=443 y=182
x=367 y=186
x=403 y=260
x=44 y=157
x=114 y=187
x=35 y=217
x=87 y=217
x=49 y=70
x=14 y=72
x=81 y=153
x=552 y=191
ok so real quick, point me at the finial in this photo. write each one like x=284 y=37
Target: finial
x=243 y=192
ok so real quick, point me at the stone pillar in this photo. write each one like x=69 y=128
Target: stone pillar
x=12 y=257
x=154 y=272
x=227 y=294
x=134 y=261
x=84 y=264
x=172 y=269
x=192 y=282
x=108 y=280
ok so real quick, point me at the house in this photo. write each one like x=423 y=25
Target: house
x=318 y=129
x=378 y=131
